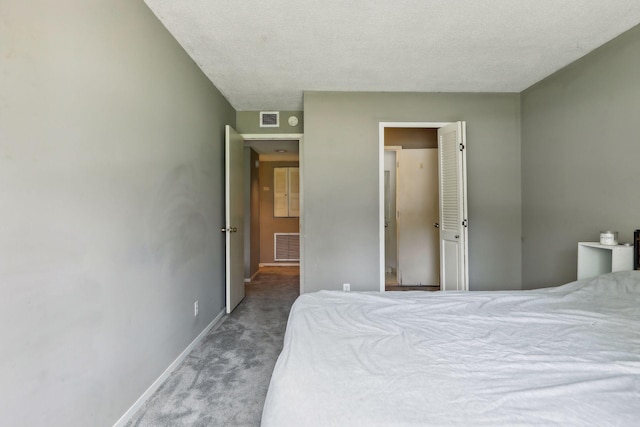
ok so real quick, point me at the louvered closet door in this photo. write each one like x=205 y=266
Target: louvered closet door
x=453 y=210
x=280 y=188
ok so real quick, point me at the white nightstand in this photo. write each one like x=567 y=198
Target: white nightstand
x=595 y=259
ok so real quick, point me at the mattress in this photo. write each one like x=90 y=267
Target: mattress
x=568 y=355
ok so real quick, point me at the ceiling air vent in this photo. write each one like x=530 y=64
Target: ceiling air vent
x=269 y=119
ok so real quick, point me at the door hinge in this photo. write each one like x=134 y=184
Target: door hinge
x=465 y=223
x=461 y=147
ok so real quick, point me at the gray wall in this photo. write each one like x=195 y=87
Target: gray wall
x=111 y=169
x=251 y=213
x=249 y=122
x=580 y=151
x=254 y=216
x=341 y=183
x=246 y=192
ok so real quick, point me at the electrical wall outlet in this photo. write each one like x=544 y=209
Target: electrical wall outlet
x=346 y=287
x=195 y=308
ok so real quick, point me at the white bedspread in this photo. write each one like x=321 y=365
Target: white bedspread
x=561 y=356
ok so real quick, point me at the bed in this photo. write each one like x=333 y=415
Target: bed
x=568 y=355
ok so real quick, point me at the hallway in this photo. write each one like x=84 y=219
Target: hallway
x=224 y=381
x=277 y=275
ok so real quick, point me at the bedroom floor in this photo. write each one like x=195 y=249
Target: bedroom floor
x=224 y=380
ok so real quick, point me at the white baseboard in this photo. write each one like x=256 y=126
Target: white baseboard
x=247 y=280
x=279 y=264
x=162 y=378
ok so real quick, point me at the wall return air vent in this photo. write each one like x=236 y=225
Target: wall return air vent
x=286 y=246
x=269 y=119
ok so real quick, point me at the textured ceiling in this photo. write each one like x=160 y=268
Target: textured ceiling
x=262 y=55
x=272 y=146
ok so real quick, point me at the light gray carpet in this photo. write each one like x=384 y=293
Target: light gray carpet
x=224 y=380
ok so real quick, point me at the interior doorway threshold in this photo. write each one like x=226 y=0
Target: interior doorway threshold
x=279 y=264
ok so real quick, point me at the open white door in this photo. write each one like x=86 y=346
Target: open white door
x=418 y=241
x=453 y=208
x=234 y=217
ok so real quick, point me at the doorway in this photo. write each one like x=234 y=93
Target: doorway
x=427 y=162
x=411 y=208
x=390 y=216
x=272 y=195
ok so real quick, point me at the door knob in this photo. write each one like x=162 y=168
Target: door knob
x=457 y=236
x=223 y=229
x=234 y=229
x=436 y=225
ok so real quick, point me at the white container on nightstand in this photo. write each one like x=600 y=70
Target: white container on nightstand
x=595 y=259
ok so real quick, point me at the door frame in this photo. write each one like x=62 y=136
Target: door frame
x=381 y=127
x=291 y=137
